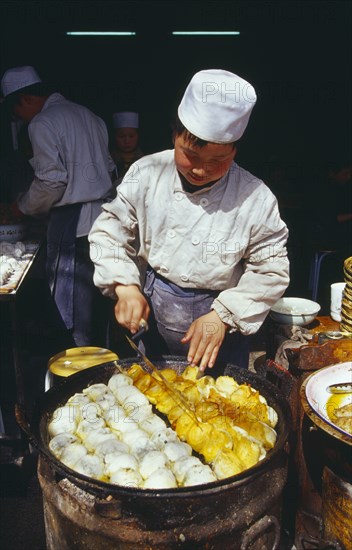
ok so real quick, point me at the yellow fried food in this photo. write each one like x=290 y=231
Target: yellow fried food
x=205 y=410
x=229 y=424
x=218 y=440
x=198 y=435
x=167 y=402
x=227 y=464
x=156 y=392
x=190 y=373
x=183 y=424
x=135 y=371
x=205 y=384
x=242 y=405
x=174 y=414
x=142 y=382
x=226 y=385
x=192 y=394
x=247 y=449
x=169 y=374
x=260 y=431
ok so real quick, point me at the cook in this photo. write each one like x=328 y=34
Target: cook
x=193 y=242
x=72 y=178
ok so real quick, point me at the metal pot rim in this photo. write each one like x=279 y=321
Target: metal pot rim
x=36 y=429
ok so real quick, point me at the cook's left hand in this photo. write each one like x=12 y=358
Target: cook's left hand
x=206 y=334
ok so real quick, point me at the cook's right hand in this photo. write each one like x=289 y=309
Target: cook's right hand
x=131 y=307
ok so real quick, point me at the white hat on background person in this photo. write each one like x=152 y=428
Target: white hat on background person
x=17 y=78
x=125 y=119
x=216 y=106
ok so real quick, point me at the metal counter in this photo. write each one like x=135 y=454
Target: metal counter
x=8 y=293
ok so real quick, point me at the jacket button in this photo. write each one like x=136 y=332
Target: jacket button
x=195 y=240
x=184 y=278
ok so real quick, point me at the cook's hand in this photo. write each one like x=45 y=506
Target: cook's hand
x=131 y=307
x=206 y=334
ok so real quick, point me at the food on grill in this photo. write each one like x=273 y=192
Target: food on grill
x=64 y=421
x=73 y=453
x=90 y=466
x=110 y=432
x=198 y=474
x=162 y=478
x=230 y=425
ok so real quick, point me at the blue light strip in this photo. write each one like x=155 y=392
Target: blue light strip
x=208 y=33
x=98 y=33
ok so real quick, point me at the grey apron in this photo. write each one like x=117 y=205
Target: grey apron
x=60 y=262
x=173 y=309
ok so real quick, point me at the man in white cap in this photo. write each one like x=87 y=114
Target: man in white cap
x=206 y=233
x=72 y=178
x=126 y=148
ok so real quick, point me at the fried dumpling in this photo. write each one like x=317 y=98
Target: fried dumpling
x=127 y=478
x=110 y=446
x=64 y=420
x=161 y=478
x=86 y=426
x=118 y=380
x=198 y=474
x=72 y=454
x=152 y=461
x=90 y=466
x=120 y=461
x=58 y=443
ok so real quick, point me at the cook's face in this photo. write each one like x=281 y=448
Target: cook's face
x=126 y=139
x=25 y=109
x=202 y=165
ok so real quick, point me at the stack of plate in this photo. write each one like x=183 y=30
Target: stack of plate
x=346 y=307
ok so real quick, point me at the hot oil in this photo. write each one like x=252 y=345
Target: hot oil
x=334 y=402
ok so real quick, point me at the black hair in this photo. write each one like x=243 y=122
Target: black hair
x=179 y=129
x=40 y=89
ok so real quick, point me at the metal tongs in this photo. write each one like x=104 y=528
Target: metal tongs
x=158 y=375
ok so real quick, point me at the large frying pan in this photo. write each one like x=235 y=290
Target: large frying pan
x=36 y=429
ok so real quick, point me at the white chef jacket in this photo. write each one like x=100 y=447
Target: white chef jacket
x=228 y=237
x=71 y=161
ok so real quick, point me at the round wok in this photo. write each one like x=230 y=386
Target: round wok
x=36 y=427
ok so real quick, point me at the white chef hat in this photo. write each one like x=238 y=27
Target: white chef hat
x=216 y=106
x=125 y=119
x=17 y=78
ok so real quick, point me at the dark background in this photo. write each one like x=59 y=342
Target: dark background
x=295 y=53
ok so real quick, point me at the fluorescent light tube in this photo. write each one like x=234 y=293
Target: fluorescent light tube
x=197 y=33
x=100 y=33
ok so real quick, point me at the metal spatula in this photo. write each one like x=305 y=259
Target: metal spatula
x=177 y=395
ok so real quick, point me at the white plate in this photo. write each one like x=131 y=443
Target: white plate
x=317 y=395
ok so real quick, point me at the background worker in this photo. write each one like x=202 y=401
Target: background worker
x=73 y=173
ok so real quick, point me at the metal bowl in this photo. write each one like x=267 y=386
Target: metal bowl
x=294 y=311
